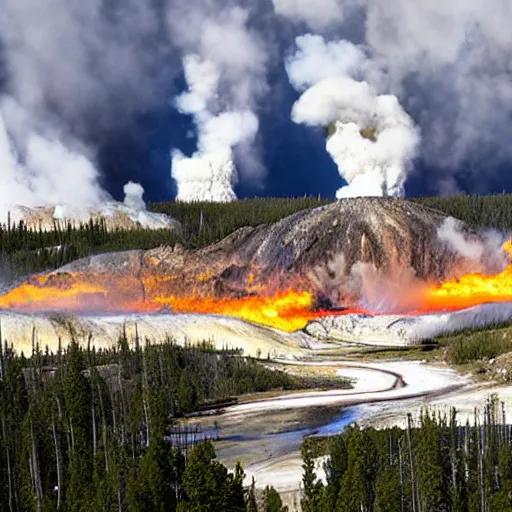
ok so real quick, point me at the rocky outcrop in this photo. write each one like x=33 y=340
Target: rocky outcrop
x=335 y=251
x=113 y=215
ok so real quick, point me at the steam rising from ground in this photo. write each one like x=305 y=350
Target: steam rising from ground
x=485 y=250
x=73 y=72
x=373 y=140
x=69 y=71
x=450 y=64
x=225 y=70
x=130 y=214
x=37 y=167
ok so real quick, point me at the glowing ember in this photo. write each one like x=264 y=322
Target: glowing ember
x=288 y=310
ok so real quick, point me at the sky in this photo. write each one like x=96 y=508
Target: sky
x=219 y=100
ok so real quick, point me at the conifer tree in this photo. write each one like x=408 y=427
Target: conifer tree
x=208 y=485
x=77 y=394
x=272 y=501
x=313 y=490
x=335 y=468
x=357 y=491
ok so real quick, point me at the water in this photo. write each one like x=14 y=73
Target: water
x=348 y=416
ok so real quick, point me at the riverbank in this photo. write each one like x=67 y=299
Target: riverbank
x=266 y=434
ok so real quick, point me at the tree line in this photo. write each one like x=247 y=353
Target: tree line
x=489 y=211
x=206 y=223
x=434 y=466
x=86 y=429
x=24 y=251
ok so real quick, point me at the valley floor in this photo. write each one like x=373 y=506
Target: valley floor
x=266 y=434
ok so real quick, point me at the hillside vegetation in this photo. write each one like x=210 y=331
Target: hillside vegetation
x=206 y=223
x=493 y=211
x=86 y=430
x=23 y=252
x=483 y=351
x=434 y=465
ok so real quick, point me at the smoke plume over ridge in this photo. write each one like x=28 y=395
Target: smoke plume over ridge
x=76 y=75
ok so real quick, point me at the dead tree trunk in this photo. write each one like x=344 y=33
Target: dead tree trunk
x=9 y=469
x=413 y=480
x=103 y=426
x=400 y=466
x=58 y=462
x=35 y=467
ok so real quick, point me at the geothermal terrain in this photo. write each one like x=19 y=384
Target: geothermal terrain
x=366 y=270
x=308 y=291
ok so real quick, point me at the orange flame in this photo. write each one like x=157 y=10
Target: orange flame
x=287 y=310
x=471 y=290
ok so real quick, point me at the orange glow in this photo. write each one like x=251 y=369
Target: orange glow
x=287 y=310
x=471 y=290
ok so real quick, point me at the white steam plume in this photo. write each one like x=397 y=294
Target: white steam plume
x=225 y=69
x=70 y=71
x=450 y=232
x=459 y=57
x=486 y=249
x=38 y=168
x=451 y=62
x=373 y=139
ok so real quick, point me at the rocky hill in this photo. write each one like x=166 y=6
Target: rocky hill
x=114 y=215
x=336 y=251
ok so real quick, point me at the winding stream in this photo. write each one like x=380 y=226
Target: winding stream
x=265 y=435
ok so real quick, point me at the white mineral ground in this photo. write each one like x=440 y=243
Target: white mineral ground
x=104 y=330
x=269 y=444
x=265 y=434
x=402 y=330
x=382 y=330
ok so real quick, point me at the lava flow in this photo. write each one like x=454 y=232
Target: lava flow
x=287 y=310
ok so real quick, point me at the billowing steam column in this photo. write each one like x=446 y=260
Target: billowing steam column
x=370 y=137
x=224 y=62
x=210 y=174
x=39 y=165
